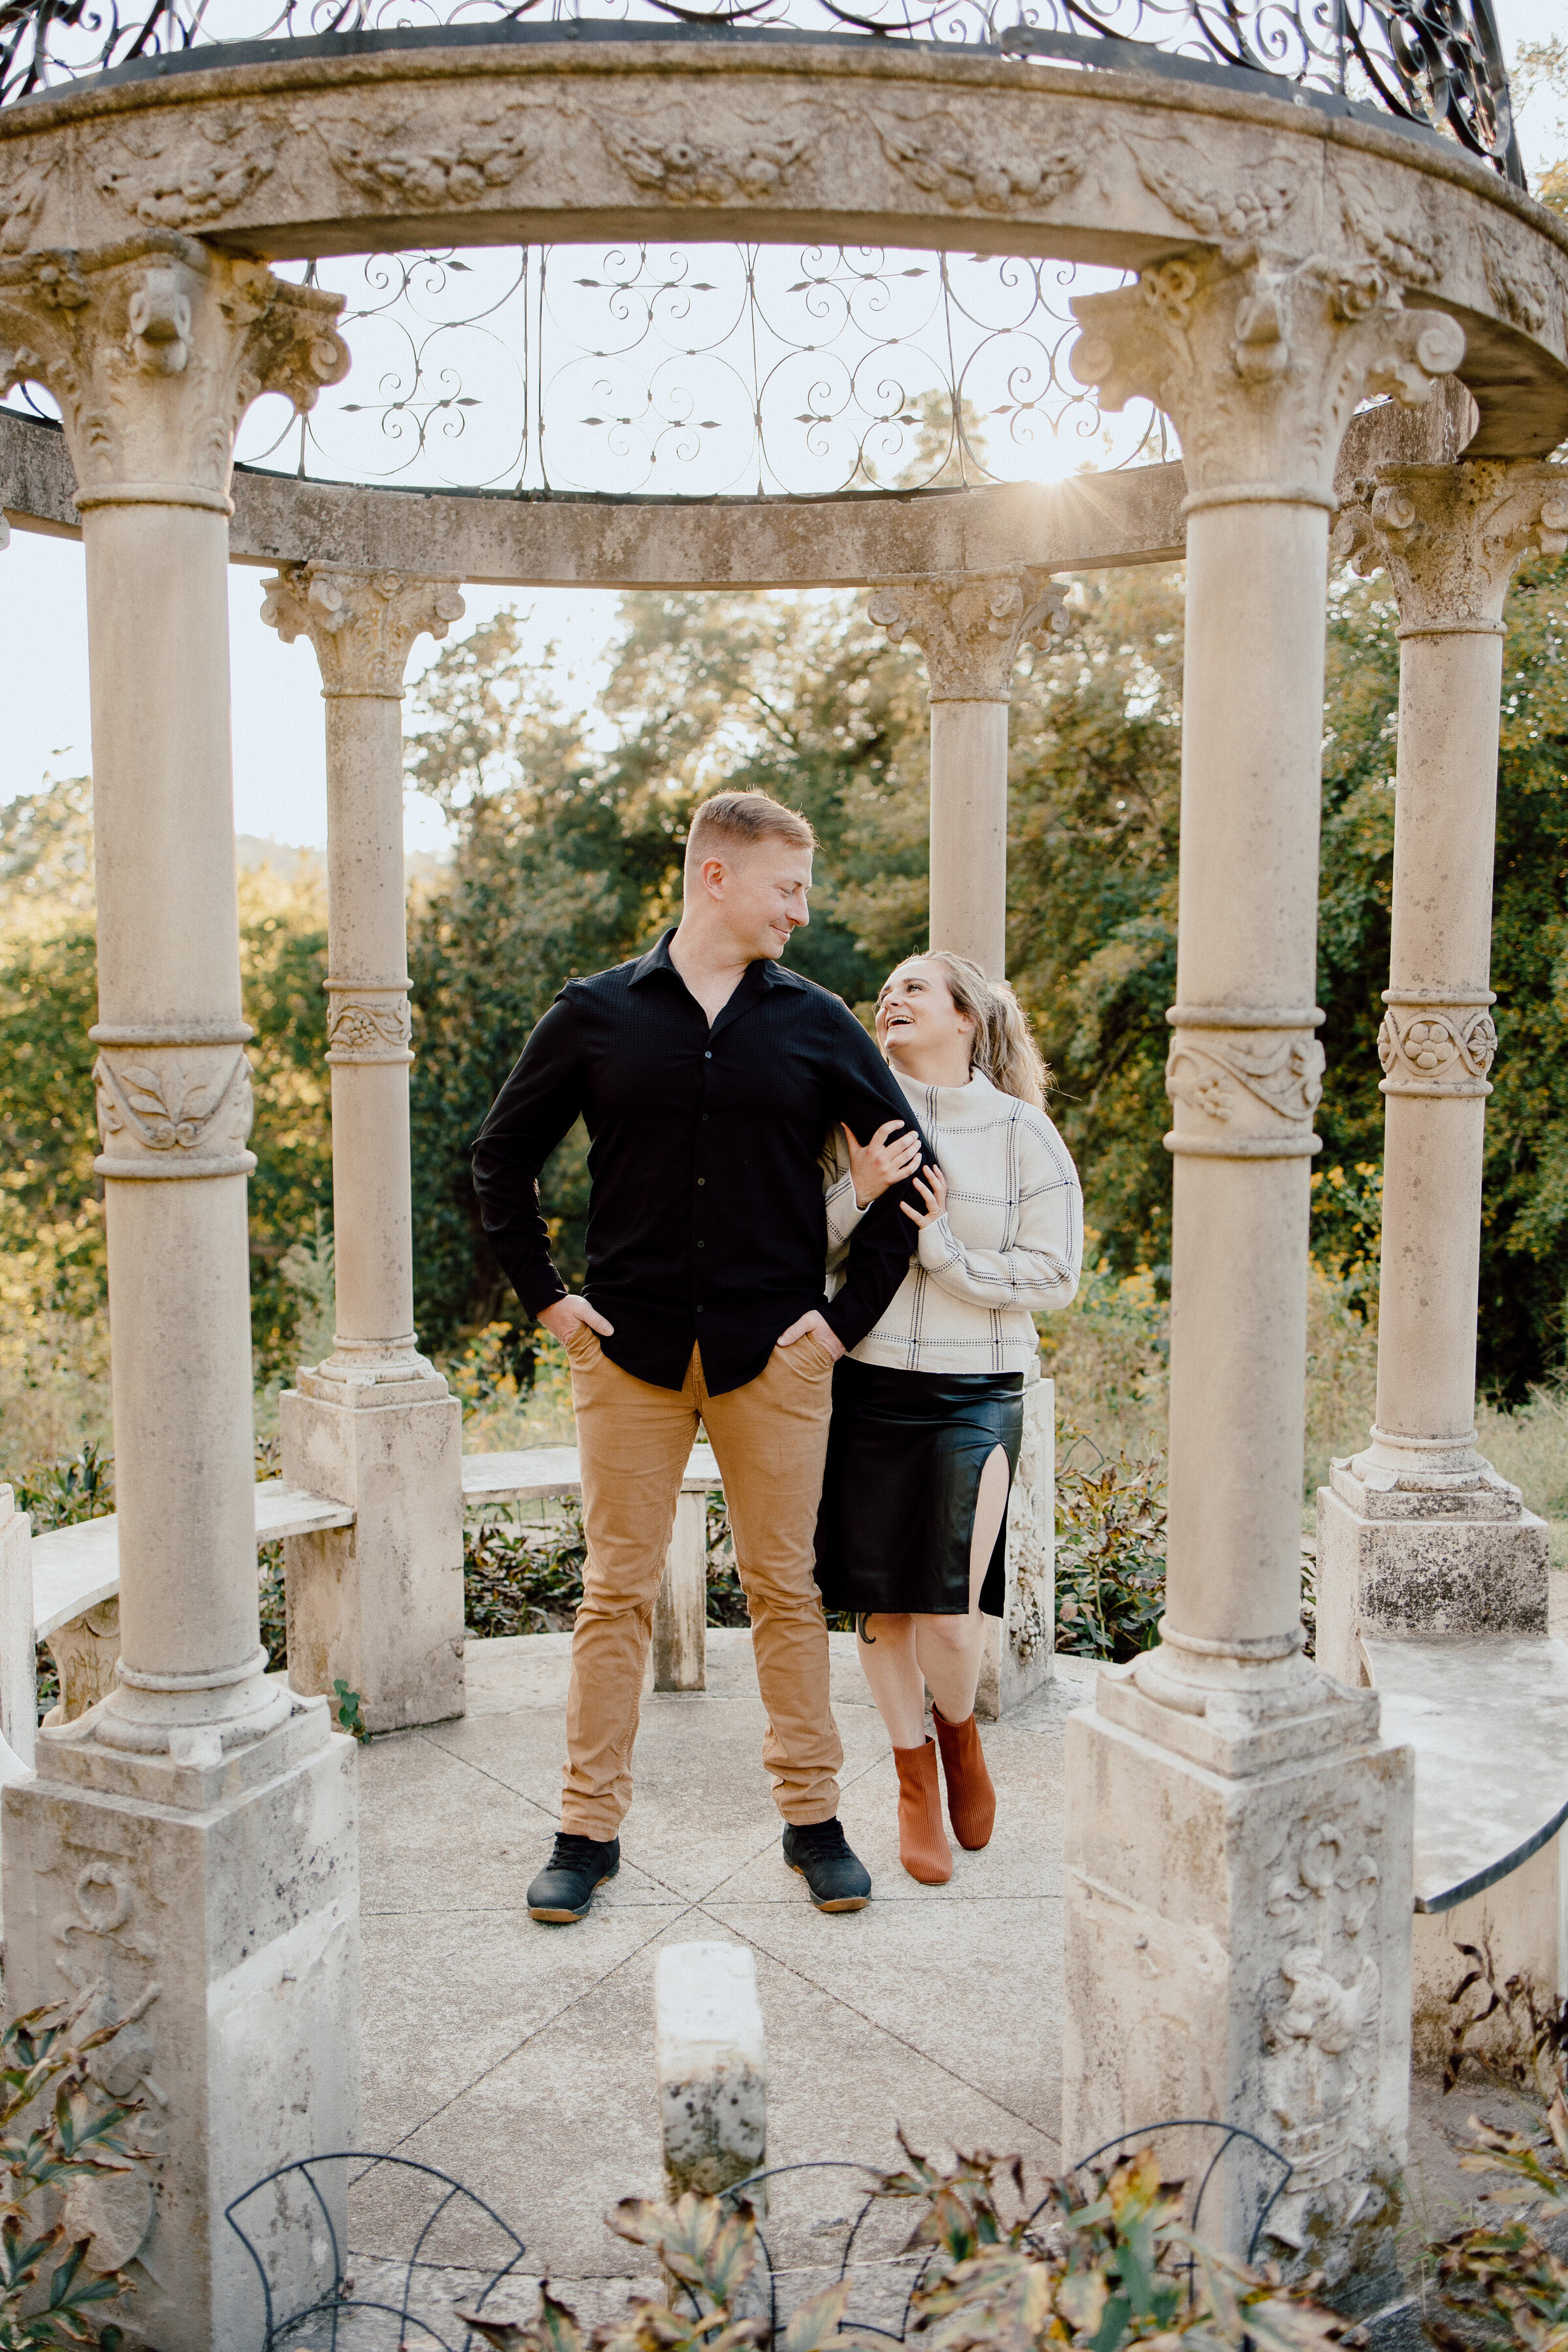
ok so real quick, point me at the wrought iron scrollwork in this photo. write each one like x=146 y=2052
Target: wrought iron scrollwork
x=717 y=370
x=1435 y=63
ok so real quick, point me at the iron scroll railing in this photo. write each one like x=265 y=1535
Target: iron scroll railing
x=1428 y=64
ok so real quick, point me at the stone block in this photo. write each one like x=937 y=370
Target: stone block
x=712 y=2066
x=379 y=1605
x=1468 y=1559
x=1238 y=1946
x=678 y=1658
x=19 y=1653
x=216 y=1906
x=1020 y=1647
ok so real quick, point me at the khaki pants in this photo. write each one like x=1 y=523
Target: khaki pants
x=770 y=1439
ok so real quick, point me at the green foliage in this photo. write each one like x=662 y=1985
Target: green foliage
x=1111 y=2271
x=524 y=1579
x=50 y=2145
x=1110 y=1555
x=346 y=1711
x=63 y=1494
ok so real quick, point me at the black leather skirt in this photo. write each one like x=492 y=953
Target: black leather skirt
x=905 y=1454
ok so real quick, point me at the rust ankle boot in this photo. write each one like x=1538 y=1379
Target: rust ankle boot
x=922 y=1847
x=971 y=1799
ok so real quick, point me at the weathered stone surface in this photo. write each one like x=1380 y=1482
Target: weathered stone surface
x=19 y=1676
x=1019 y=1652
x=1463 y=1569
x=378 y=1605
x=712 y=2066
x=217 y=1908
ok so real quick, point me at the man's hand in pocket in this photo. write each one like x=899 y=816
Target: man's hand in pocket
x=821 y=1330
x=565 y=1316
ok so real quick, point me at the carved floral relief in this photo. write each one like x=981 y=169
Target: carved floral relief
x=163 y=1104
x=1437 y=1049
x=971 y=626
x=1241 y=209
x=1220 y=1074
x=22 y=193
x=940 y=157
x=445 y=163
x=673 y=159
x=1405 y=243
x=184 y=177
x=372 y=1026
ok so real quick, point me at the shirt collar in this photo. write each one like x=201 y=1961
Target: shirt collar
x=764 y=973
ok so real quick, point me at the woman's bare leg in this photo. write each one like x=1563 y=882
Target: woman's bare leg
x=885 y=1646
x=947 y=1649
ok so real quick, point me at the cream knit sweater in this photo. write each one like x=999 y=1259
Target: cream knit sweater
x=1009 y=1243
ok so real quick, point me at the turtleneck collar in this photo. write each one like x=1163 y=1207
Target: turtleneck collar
x=947 y=1102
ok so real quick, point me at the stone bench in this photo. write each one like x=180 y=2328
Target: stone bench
x=1486 y=1715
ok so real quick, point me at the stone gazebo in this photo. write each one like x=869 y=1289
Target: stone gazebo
x=1343 y=299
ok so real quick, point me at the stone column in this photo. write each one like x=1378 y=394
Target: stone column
x=378 y=1605
x=1419 y=1533
x=971 y=628
x=188 y=1848
x=1239 y=1840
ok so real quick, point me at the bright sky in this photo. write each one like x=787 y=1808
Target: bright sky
x=280 y=778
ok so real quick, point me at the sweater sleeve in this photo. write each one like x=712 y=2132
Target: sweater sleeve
x=1041 y=1268
x=844 y=1214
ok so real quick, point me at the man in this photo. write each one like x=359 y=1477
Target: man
x=709 y=1078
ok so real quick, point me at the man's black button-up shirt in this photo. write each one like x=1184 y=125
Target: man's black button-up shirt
x=706 y=1220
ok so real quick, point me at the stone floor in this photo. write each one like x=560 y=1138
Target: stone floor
x=518 y=2059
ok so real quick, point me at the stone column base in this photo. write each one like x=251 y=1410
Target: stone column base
x=1396 y=1559
x=379 y=1605
x=219 y=1906
x=1020 y=1648
x=1238 y=1899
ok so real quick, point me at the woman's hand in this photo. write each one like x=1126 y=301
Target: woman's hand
x=881 y=1162
x=932 y=1186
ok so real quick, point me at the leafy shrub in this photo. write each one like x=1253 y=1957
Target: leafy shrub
x=1113 y=2270
x=524 y=1579
x=1110 y=1557
x=63 y=1494
x=49 y=2148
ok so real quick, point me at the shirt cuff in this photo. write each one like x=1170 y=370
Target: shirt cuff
x=938 y=1245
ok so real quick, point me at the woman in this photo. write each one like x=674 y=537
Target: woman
x=928 y=1409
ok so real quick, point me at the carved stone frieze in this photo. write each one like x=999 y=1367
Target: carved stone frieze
x=971 y=626
x=1431 y=1049
x=672 y=158
x=368 y=1024
x=1236 y=209
x=1244 y=1084
x=154 y=349
x=1404 y=242
x=435 y=161
x=1260 y=367
x=362 y=623
x=941 y=158
x=1450 y=537
x=1320 y=2023
x=1521 y=293
x=86 y=1653
x=22 y=194
x=174 y=1111
x=180 y=177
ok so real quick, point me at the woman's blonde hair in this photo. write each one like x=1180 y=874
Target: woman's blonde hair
x=1003 y=1049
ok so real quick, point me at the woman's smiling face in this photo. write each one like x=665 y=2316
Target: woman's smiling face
x=916 y=1017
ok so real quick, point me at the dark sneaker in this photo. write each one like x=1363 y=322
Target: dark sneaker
x=563 y=1889
x=837 y=1880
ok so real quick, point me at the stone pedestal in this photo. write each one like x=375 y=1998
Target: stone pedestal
x=378 y=1606
x=188 y=1844
x=1020 y=1646
x=712 y=2066
x=1240 y=1872
x=1395 y=1561
x=217 y=1902
x=971 y=628
x=1237 y=1912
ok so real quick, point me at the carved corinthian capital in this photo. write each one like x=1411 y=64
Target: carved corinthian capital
x=153 y=351
x=1450 y=537
x=1260 y=365
x=362 y=623
x=971 y=626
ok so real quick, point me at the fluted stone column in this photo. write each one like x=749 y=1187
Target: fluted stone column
x=378 y=1605
x=971 y=628
x=188 y=1845
x=1239 y=1840
x=1419 y=1533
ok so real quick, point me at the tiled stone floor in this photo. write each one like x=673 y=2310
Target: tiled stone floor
x=518 y=2059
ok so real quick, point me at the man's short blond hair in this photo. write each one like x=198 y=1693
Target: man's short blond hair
x=732 y=820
